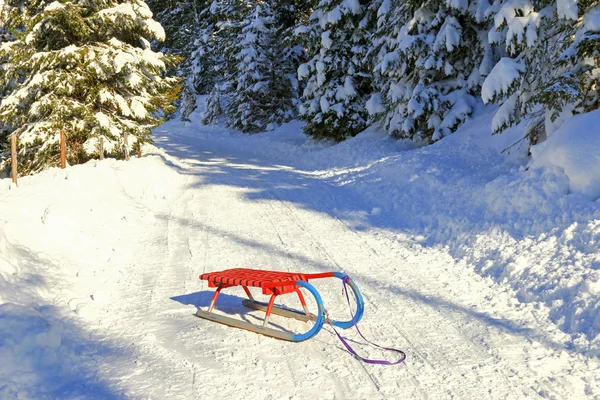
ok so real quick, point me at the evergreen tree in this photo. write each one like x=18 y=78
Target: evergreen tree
x=432 y=58
x=261 y=96
x=3 y=85
x=338 y=74
x=213 y=108
x=189 y=26
x=288 y=14
x=7 y=84
x=85 y=67
x=202 y=73
x=180 y=21
x=229 y=16
x=552 y=66
x=256 y=84
x=4 y=37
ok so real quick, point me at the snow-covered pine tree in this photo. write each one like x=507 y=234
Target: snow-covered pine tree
x=5 y=36
x=85 y=67
x=189 y=27
x=432 y=58
x=213 y=110
x=5 y=84
x=205 y=56
x=338 y=74
x=288 y=14
x=552 y=68
x=179 y=19
x=260 y=96
x=229 y=15
x=256 y=85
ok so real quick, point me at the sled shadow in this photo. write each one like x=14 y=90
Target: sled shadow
x=227 y=304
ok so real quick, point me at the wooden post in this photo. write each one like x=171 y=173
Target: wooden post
x=63 y=150
x=126 y=147
x=101 y=150
x=14 y=157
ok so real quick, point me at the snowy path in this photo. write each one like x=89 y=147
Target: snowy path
x=231 y=211
x=100 y=302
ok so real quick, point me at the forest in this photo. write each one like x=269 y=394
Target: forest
x=416 y=68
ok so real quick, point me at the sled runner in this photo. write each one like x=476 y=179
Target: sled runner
x=276 y=284
x=280 y=283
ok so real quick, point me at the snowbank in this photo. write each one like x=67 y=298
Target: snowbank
x=64 y=236
x=575 y=149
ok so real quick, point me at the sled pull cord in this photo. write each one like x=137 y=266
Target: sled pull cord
x=346 y=279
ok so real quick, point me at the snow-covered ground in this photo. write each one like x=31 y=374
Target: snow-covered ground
x=483 y=267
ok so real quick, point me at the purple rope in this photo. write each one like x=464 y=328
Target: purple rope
x=347 y=345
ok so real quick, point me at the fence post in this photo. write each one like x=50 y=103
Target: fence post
x=101 y=147
x=126 y=147
x=63 y=150
x=13 y=140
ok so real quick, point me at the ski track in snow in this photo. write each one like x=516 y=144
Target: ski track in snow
x=463 y=335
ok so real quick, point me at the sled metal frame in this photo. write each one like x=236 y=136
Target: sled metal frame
x=276 y=287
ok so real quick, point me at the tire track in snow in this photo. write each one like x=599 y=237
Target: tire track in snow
x=340 y=391
x=496 y=364
x=500 y=364
x=325 y=254
x=349 y=362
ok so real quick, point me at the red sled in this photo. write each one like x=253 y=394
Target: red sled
x=276 y=284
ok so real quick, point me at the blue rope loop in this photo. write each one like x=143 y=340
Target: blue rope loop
x=320 y=313
x=360 y=303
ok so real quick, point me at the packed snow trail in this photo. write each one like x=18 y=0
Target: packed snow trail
x=128 y=269
x=234 y=211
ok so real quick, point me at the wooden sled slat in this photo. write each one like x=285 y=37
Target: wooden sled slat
x=236 y=323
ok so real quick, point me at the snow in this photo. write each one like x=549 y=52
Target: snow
x=324 y=103
x=384 y=8
x=134 y=80
x=349 y=90
x=567 y=9
x=334 y=16
x=139 y=12
x=123 y=106
x=122 y=58
x=102 y=119
x=500 y=79
x=591 y=20
x=106 y=96
x=461 y=5
x=119 y=11
x=520 y=28
x=326 y=41
x=449 y=35
x=485 y=271
x=352 y=5
x=505 y=113
x=303 y=71
x=508 y=11
x=374 y=104
x=575 y=149
x=54 y=6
